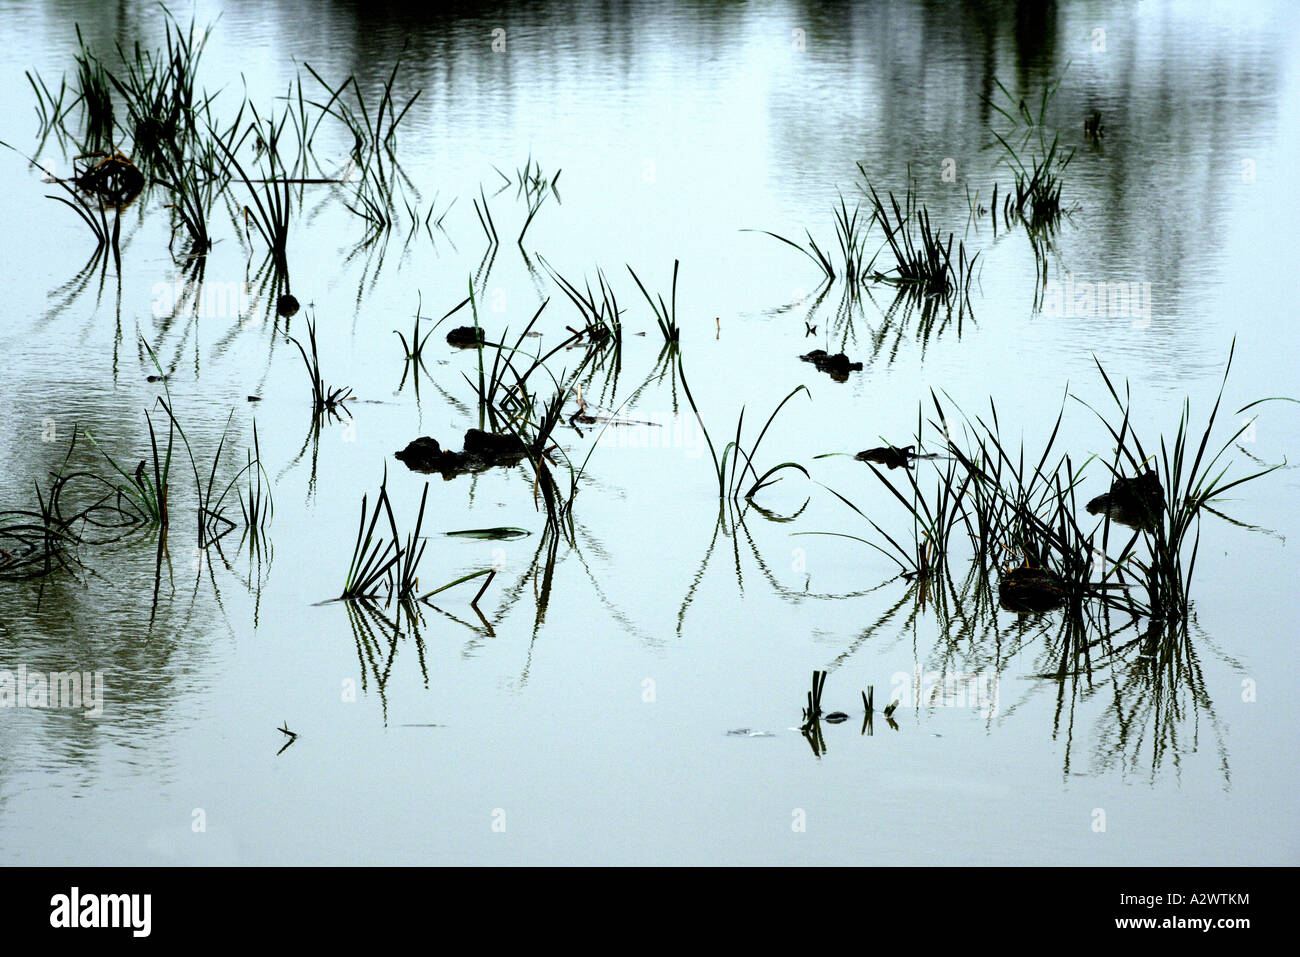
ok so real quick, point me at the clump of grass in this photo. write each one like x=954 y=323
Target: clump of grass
x=1024 y=512
x=512 y=407
x=534 y=186
x=730 y=478
x=324 y=399
x=1020 y=512
x=1039 y=180
x=95 y=98
x=849 y=260
x=922 y=257
x=158 y=89
x=518 y=410
x=273 y=201
x=386 y=562
x=1191 y=478
x=213 y=523
x=812 y=710
x=373 y=131
x=196 y=178
x=665 y=312
x=602 y=321
x=146 y=491
x=372 y=557
x=925 y=557
x=373 y=203
x=256 y=503
x=1038 y=163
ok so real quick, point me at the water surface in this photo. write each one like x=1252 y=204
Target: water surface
x=590 y=715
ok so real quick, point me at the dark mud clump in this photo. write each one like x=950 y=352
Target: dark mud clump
x=890 y=456
x=837 y=366
x=1136 y=502
x=1029 y=590
x=482 y=451
x=465 y=337
x=491 y=445
x=426 y=455
x=114 y=179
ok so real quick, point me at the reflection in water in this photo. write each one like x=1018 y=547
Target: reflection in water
x=909 y=309
x=1159 y=698
x=377 y=637
x=1144 y=680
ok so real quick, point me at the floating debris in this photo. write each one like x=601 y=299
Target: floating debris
x=503 y=533
x=836 y=366
x=836 y=717
x=291 y=735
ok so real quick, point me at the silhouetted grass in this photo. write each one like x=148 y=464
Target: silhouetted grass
x=1191 y=477
x=665 y=312
x=730 y=481
x=272 y=202
x=388 y=562
x=324 y=399
x=921 y=255
x=849 y=260
x=157 y=89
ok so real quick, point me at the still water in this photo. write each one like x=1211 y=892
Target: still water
x=584 y=717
